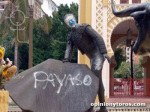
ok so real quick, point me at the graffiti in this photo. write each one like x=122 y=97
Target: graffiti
x=67 y=79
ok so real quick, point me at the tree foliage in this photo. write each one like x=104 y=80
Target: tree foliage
x=119 y=57
x=124 y=71
x=45 y=45
x=60 y=32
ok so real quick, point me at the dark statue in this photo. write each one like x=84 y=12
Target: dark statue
x=141 y=15
x=89 y=42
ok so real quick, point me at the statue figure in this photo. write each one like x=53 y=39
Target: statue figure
x=6 y=69
x=141 y=15
x=89 y=42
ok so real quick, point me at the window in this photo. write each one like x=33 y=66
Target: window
x=124 y=1
x=136 y=1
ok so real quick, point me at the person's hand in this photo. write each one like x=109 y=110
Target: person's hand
x=9 y=64
x=65 y=60
x=3 y=62
x=107 y=57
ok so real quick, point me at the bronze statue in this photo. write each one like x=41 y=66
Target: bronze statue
x=141 y=15
x=89 y=42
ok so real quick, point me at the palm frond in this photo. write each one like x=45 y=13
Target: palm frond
x=45 y=22
x=15 y=12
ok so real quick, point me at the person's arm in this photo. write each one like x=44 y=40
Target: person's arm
x=98 y=40
x=69 y=49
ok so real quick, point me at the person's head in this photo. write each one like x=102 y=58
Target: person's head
x=70 y=20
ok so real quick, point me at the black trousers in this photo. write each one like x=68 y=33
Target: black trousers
x=97 y=60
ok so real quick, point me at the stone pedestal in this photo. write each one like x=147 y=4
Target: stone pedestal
x=54 y=86
x=4 y=99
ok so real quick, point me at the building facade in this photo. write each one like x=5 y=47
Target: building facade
x=53 y=6
x=3 y=4
x=37 y=8
x=98 y=14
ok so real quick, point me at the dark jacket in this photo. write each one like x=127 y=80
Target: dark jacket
x=86 y=39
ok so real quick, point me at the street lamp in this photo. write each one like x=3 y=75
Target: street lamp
x=31 y=9
x=129 y=38
x=129 y=44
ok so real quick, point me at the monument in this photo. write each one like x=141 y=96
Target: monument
x=54 y=86
x=141 y=15
x=89 y=42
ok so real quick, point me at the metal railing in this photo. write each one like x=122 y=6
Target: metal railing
x=130 y=87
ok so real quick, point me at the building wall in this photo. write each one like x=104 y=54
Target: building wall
x=3 y=4
x=37 y=9
x=53 y=6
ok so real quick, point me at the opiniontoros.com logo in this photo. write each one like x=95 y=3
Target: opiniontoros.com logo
x=119 y=104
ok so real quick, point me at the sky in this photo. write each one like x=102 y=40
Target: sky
x=45 y=6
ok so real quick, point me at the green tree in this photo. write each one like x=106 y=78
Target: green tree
x=124 y=71
x=60 y=31
x=6 y=25
x=41 y=44
x=138 y=71
x=46 y=45
x=119 y=57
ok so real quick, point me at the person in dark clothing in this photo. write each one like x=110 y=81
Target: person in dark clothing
x=89 y=42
